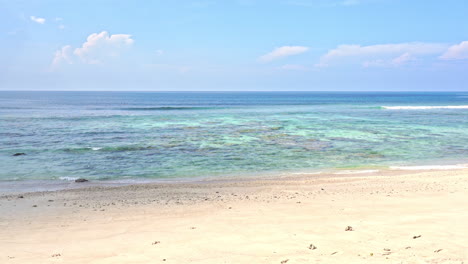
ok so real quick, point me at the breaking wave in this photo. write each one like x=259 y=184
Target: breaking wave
x=425 y=107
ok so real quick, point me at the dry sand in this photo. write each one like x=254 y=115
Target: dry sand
x=396 y=217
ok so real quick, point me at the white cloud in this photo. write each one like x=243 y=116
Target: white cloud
x=282 y=52
x=63 y=55
x=395 y=53
x=97 y=49
x=403 y=59
x=294 y=67
x=100 y=46
x=38 y=20
x=394 y=62
x=456 y=52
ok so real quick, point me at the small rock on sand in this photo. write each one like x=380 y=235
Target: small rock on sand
x=349 y=228
x=414 y=237
x=81 y=180
x=312 y=247
x=284 y=261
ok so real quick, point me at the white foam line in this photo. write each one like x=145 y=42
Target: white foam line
x=429 y=167
x=356 y=171
x=68 y=178
x=306 y=173
x=425 y=107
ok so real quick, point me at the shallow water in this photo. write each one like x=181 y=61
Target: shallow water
x=134 y=135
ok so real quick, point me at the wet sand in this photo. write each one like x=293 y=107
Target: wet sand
x=393 y=217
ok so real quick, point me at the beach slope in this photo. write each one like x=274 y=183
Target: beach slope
x=379 y=217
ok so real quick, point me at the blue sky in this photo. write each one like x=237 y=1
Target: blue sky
x=316 y=45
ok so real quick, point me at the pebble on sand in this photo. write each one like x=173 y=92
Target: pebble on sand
x=349 y=228
x=81 y=180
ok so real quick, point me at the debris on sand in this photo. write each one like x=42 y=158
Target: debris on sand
x=56 y=255
x=312 y=247
x=349 y=228
x=81 y=180
x=437 y=251
x=156 y=242
x=414 y=237
x=284 y=261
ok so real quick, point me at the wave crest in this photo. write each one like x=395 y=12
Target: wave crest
x=165 y=108
x=425 y=107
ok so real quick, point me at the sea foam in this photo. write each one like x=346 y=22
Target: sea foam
x=425 y=107
x=429 y=167
x=355 y=171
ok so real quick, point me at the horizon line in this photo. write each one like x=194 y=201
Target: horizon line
x=230 y=91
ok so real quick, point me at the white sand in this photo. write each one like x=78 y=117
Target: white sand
x=261 y=221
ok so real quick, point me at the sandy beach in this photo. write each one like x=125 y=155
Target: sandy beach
x=393 y=217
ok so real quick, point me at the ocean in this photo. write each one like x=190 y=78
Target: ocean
x=109 y=136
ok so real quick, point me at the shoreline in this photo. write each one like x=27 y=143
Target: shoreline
x=12 y=187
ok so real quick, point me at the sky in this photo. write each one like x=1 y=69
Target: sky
x=234 y=45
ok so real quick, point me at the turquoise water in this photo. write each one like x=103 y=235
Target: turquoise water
x=121 y=135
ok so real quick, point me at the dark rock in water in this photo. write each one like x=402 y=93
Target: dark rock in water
x=81 y=180
x=19 y=154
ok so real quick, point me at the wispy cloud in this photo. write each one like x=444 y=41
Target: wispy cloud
x=350 y=2
x=159 y=52
x=391 y=54
x=38 y=20
x=63 y=55
x=456 y=52
x=394 y=62
x=294 y=67
x=282 y=52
